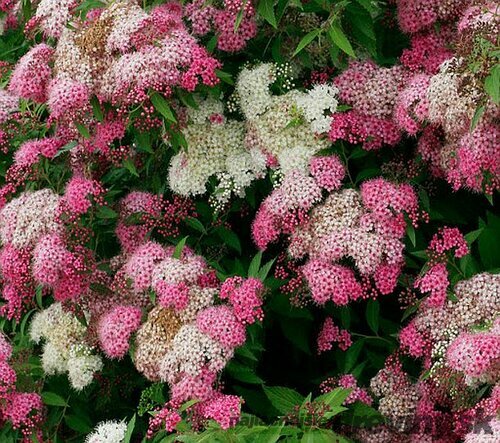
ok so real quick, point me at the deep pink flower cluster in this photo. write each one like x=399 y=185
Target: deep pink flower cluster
x=32 y=74
x=115 y=329
x=330 y=334
x=205 y=17
x=245 y=296
x=24 y=410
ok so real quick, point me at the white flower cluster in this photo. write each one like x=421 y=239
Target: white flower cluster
x=284 y=125
x=314 y=104
x=53 y=15
x=108 y=432
x=65 y=349
x=214 y=149
x=447 y=105
x=190 y=352
x=25 y=219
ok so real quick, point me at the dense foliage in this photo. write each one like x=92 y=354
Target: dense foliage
x=249 y=221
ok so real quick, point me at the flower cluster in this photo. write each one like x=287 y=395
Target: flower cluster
x=24 y=410
x=65 y=349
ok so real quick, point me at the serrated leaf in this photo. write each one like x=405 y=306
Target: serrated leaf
x=477 y=117
x=282 y=398
x=162 y=106
x=229 y=238
x=254 y=267
x=352 y=354
x=179 y=248
x=306 y=40
x=338 y=37
x=67 y=147
x=195 y=224
x=410 y=232
x=492 y=84
x=53 y=399
x=106 y=212
x=96 y=107
x=264 y=271
x=243 y=373
x=129 y=165
x=266 y=11
x=372 y=315
x=77 y=424
x=334 y=398
x=130 y=429
x=84 y=132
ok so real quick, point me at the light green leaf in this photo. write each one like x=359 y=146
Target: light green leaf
x=130 y=429
x=282 y=398
x=53 y=399
x=178 y=248
x=162 y=106
x=339 y=39
x=306 y=40
x=266 y=11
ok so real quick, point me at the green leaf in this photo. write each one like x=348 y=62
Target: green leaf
x=243 y=373
x=372 y=315
x=84 y=132
x=492 y=84
x=178 y=248
x=410 y=231
x=130 y=429
x=78 y=424
x=162 y=106
x=106 y=212
x=229 y=238
x=306 y=40
x=477 y=117
x=472 y=236
x=224 y=76
x=334 y=398
x=129 y=165
x=266 y=11
x=361 y=415
x=264 y=271
x=352 y=354
x=67 y=147
x=96 y=107
x=53 y=399
x=322 y=436
x=338 y=37
x=254 y=267
x=282 y=398
x=195 y=224
x=39 y=296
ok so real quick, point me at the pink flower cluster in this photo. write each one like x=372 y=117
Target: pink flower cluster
x=205 y=17
x=330 y=334
x=366 y=226
x=24 y=410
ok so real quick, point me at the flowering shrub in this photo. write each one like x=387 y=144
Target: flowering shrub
x=249 y=220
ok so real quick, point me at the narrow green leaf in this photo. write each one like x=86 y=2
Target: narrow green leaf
x=306 y=40
x=179 y=247
x=266 y=11
x=334 y=398
x=84 y=132
x=477 y=116
x=130 y=429
x=339 y=39
x=78 y=424
x=372 y=315
x=229 y=238
x=67 y=147
x=195 y=224
x=96 y=107
x=264 y=271
x=410 y=231
x=162 y=106
x=53 y=399
x=254 y=267
x=129 y=165
x=106 y=212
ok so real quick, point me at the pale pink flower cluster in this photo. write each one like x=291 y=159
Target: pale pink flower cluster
x=123 y=51
x=446 y=334
x=367 y=226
